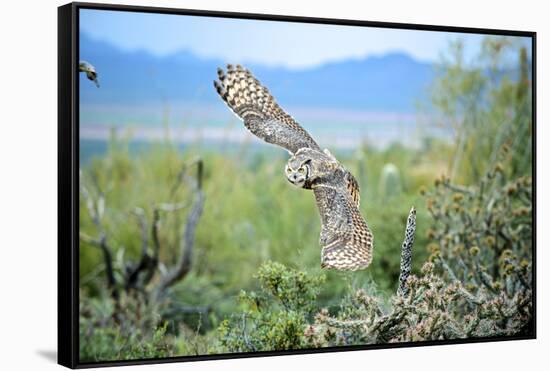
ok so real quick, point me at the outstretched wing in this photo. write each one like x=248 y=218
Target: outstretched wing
x=346 y=240
x=261 y=114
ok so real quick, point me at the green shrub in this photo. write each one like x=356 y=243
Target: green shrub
x=483 y=238
x=276 y=316
x=110 y=334
x=485 y=107
x=434 y=309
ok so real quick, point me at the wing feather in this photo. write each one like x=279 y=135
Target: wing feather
x=353 y=188
x=346 y=240
x=253 y=103
x=351 y=183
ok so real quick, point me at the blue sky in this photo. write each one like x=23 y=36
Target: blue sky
x=291 y=45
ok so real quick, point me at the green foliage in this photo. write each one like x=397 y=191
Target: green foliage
x=230 y=233
x=230 y=237
x=275 y=317
x=434 y=309
x=486 y=103
x=108 y=334
x=483 y=238
x=111 y=343
x=293 y=290
x=387 y=216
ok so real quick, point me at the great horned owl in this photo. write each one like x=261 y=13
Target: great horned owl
x=346 y=241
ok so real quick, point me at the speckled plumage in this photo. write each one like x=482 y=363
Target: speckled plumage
x=346 y=240
x=261 y=114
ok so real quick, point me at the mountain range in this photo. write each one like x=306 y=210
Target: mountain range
x=387 y=83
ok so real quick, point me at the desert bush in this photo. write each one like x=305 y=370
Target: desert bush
x=131 y=312
x=434 y=309
x=483 y=235
x=275 y=317
x=109 y=333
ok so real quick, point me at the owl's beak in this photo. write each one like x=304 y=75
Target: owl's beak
x=294 y=180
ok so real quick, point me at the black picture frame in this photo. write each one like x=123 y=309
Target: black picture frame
x=68 y=177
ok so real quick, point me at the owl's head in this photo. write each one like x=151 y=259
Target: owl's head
x=298 y=170
x=306 y=165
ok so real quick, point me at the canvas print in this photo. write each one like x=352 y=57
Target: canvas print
x=259 y=186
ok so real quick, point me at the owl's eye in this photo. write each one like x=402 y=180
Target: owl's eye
x=302 y=170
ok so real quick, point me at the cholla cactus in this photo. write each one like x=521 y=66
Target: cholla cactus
x=483 y=235
x=390 y=181
x=432 y=310
x=406 y=253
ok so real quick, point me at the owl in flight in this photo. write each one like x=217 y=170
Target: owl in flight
x=346 y=241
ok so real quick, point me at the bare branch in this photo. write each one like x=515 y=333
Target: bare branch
x=184 y=264
x=141 y=273
x=145 y=262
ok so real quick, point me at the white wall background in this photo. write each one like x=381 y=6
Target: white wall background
x=28 y=181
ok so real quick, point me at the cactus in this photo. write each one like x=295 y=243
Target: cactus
x=390 y=181
x=406 y=253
